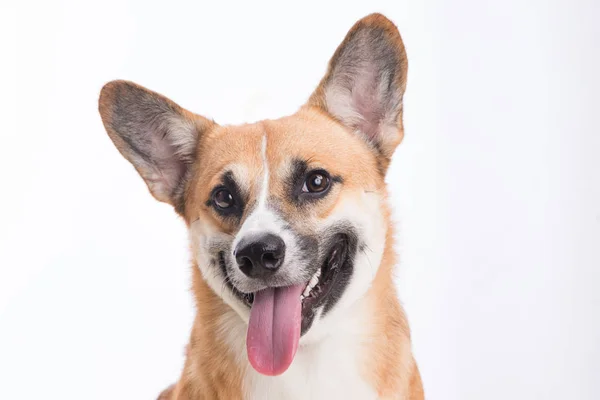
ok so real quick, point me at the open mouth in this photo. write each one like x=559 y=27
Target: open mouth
x=324 y=282
x=279 y=316
x=317 y=290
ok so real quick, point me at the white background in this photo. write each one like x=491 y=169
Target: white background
x=496 y=187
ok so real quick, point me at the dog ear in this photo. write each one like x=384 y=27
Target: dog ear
x=155 y=135
x=365 y=83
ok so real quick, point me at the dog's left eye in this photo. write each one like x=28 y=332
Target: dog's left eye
x=316 y=182
x=223 y=199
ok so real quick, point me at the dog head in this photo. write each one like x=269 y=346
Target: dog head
x=286 y=217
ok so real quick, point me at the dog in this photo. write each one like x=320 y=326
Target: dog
x=290 y=231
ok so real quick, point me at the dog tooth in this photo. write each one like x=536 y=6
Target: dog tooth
x=313 y=282
x=306 y=291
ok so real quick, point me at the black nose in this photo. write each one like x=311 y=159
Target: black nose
x=259 y=257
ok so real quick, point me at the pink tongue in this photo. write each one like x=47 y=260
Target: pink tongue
x=274 y=329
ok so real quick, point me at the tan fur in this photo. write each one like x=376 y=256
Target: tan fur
x=212 y=369
x=389 y=364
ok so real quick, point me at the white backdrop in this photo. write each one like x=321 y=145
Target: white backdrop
x=496 y=187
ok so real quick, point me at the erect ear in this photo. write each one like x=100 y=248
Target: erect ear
x=365 y=82
x=156 y=135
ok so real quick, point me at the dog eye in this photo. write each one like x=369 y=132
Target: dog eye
x=223 y=199
x=316 y=182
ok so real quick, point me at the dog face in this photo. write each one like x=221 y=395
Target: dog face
x=294 y=207
x=280 y=202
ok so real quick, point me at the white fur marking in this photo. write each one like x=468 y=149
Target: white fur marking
x=264 y=189
x=329 y=369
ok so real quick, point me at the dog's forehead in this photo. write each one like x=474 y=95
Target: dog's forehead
x=246 y=150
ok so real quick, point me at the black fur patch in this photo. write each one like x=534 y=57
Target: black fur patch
x=308 y=247
x=299 y=173
x=347 y=233
x=237 y=210
x=296 y=178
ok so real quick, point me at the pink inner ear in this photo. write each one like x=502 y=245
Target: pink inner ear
x=366 y=100
x=368 y=107
x=165 y=156
x=364 y=89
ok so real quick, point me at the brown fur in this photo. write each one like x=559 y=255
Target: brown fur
x=210 y=372
x=211 y=369
x=390 y=366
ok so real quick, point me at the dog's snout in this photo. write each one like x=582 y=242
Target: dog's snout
x=261 y=256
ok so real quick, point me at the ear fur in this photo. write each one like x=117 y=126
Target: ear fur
x=365 y=83
x=153 y=133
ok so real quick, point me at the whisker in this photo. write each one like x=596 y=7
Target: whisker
x=367 y=257
x=366 y=247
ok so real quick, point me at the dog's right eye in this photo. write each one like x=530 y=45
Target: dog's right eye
x=223 y=199
x=316 y=182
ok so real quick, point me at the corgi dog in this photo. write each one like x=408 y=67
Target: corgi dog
x=290 y=231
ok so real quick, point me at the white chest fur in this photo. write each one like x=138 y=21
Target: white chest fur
x=327 y=369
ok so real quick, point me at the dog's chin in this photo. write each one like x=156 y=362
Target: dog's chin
x=322 y=290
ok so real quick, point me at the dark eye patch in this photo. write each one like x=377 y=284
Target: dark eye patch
x=235 y=200
x=298 y=177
